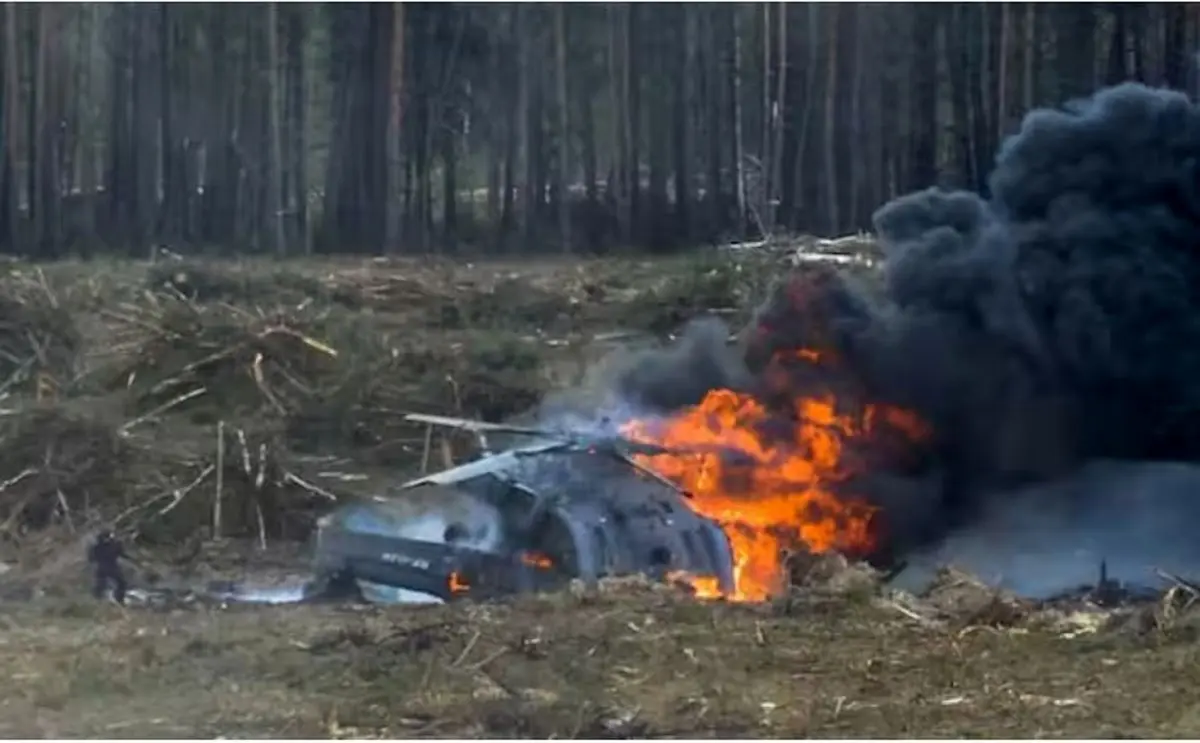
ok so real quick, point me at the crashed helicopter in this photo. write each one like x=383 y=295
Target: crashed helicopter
x=532 y=517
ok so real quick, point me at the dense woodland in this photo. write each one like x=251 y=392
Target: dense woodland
x=410 y=127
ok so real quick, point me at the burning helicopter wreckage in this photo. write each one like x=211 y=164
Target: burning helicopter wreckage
x=531 y=517
x=1017 y=397
x=565 y=506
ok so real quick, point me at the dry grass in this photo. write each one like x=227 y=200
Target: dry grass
x=632 y=661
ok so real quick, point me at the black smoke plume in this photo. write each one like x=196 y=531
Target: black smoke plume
x=1053 y=322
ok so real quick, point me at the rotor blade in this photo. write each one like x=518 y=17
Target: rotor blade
x=650 y=450
x=730 y=454
x=582 y=440
x=466 y=424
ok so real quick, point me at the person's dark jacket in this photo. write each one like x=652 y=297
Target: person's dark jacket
x=106 y=552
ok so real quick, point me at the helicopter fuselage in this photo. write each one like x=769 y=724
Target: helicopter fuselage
x=529 y=518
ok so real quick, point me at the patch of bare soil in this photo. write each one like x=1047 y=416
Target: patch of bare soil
x=625 y=660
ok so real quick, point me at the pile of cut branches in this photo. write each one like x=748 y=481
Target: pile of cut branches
x=218 y=392
x=246 y=283
x=39 y=341
x=706 y=284
x=482 y=375
x=220 y=361
x=387 y=288
x=79 y=465
x=236 y=483
x=58 y=465
x=511 y=302
x=320 y=378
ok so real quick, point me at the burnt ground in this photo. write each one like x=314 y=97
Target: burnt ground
x=625 y=661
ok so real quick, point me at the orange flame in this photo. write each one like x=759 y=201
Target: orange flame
x=457 y=583
x=702 y=586
x=773 y=494
x=536 y=559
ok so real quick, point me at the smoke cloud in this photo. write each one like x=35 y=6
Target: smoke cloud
x=683 y=373
x=1053 y=322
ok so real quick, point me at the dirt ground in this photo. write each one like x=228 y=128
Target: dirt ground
x=631 y=661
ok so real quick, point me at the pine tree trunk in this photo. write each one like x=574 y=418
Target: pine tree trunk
x=853 y=133
x=804 y=197
x=530 y=124
x=922 y=165
x=275 y=151
x=714 y=197
x=739 y=173
x=684 y=56
x=168 y=222
x=1002 y=71
x=766 y=155
x=1175 y=53
x=1032 y=42
x=10 y=189
x=507 y=207
x=564 y=129
x=393 y=134
x=832 y=214
x=959 y=65
x=618 y=105
x=41 y=171
x=633 y=117
x=775 y=165
x=590 y=166
x=297 y=40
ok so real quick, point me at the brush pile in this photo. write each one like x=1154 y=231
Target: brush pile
x=39 y=341
x=1161 y=607
x=238 y=398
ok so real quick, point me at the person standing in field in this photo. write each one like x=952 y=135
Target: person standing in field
x=105 y=557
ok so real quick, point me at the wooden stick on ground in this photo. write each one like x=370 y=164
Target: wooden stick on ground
x=261 y=478
x=241 y=434
x=162 y=409
x=262 y=525
x=259 y=482
x=902 y=609
x=178 y=495
x=317 y=490
x=66 y=510
x=216 y=525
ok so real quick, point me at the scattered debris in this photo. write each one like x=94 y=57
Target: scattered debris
x=831 y=572
x=964 y=601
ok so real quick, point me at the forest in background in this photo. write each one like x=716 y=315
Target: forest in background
x=411 y=128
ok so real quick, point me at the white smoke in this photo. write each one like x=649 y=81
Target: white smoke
x=432 y=514
x=1052 y=537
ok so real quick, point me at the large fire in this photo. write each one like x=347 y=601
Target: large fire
x=766 y=475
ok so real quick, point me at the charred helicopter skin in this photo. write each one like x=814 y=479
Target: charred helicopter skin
x=529 y=518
